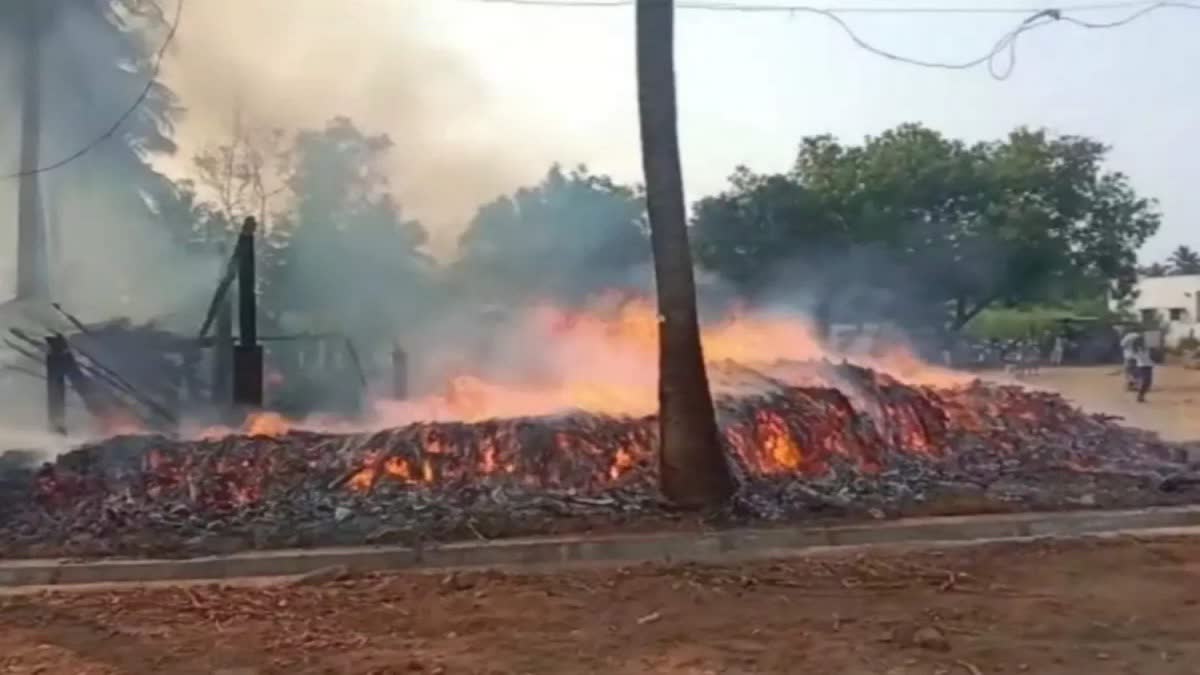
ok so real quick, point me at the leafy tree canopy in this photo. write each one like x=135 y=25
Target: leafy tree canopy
x=1184 y=260
x=1031 y=217
x=348 y=258
x=571 y=234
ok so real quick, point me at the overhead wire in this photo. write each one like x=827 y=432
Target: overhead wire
x=1006 y=45
x=137 y=103
x=731 y=6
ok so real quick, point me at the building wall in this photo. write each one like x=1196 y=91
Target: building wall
x=1173 y=302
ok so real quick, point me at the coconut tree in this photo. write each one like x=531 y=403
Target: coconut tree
x=81 y=64
x=1184 y=260
x=694 y=472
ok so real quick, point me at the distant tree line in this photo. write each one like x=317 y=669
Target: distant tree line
x=908 y=226
x=1183 y=260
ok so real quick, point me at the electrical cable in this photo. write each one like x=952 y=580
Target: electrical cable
x=151 y=80
x=1006 y=44
x=727 y=6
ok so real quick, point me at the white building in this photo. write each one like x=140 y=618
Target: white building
x=1173 y=302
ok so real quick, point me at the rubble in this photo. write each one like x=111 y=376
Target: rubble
x=827 y=441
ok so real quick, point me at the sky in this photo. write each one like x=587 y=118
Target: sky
x=481 y=98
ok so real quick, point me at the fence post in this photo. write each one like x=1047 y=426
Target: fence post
x=248 y=355
x=56 y=385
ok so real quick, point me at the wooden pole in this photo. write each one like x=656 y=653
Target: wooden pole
x=222 y=359
x=56 y=385
x=247 y=294
x=248 y=356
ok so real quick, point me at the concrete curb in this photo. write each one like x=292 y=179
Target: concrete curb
x=558 y=551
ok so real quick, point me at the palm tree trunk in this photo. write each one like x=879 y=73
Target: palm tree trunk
x=32 y=272
x=694 y=472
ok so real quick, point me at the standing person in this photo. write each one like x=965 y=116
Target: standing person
x=1127 y=354
x=1057 y=350
x=1145 y=369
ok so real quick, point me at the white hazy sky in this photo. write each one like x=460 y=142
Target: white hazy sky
x=534 y=85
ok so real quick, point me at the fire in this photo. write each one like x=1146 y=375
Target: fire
x=776 y=440
x=622 y=462
x=603 y=359
x=375 y=467
x=268 y=424
x=397 y=468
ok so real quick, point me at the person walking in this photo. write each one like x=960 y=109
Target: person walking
x=1144 y=365
x=1127 y=355
x=1057 y=350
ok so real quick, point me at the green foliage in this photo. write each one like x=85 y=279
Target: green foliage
x=345 y=258
x=761 y=222
x=1029 y=218
x=1184 y=260
x=1154 y=270
x=1011 y=323
x=1036 y=320
x=93 y=59
x=570 y=235
x=1188 y=344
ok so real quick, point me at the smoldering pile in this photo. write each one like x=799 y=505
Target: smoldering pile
x=814 y=439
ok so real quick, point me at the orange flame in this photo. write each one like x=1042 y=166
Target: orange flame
x=776 y=440
x=267 y=424
x=604 y=360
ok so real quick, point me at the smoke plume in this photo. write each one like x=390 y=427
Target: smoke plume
x=298 y=64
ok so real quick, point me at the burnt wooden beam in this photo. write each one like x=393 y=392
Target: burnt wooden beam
x=222 y=361
x=248 y=355
x=56 y=385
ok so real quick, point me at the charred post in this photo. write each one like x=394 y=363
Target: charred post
x=222 y=363
x=56 y=384
x=248 y=356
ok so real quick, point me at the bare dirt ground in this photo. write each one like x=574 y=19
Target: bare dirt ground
x=1100 y=606
x=1172 y=407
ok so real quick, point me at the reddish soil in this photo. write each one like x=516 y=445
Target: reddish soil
x=1096 y=607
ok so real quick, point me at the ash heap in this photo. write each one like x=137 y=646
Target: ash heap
x=807 y=439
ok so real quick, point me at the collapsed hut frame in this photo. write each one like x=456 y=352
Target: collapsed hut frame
x=236 y=385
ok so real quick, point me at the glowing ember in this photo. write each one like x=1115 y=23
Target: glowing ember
x=867 y=442
x=266 y=424
x=776 y=441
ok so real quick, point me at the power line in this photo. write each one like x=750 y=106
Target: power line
x=714 y=5
x=137 y=103
x=1006 y=44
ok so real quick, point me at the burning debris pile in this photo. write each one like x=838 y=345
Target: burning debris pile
x=807 y=439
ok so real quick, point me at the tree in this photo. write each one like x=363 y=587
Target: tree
x=692 y=465
x=945 y=228
x=572 y=234
x=760 y=223
x=1184 y=260
x=349 y=260
x=1154 y=270
x=246 y=174
x=89 y=60
x=767 y=231
x=32 y=263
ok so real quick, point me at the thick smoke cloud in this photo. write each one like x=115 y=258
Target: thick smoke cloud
x=298 y=64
